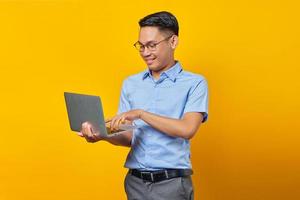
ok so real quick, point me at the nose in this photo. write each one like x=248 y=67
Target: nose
x=146 y=52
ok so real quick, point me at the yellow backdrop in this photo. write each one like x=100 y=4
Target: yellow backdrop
x=247 y=50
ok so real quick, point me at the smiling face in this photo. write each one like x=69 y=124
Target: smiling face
x=162 y=57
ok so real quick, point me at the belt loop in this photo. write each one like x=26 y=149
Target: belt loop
x=166 y=173
x=144 y=180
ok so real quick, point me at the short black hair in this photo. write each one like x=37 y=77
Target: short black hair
x=164 y=20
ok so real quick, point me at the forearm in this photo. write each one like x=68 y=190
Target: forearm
x=123 y=139
x=169 y=126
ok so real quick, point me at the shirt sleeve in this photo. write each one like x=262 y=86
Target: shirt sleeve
x=124 y=104
x=197 y=100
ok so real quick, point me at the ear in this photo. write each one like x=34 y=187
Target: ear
x=174 y=41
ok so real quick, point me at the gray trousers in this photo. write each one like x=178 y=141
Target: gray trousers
x=180 y=188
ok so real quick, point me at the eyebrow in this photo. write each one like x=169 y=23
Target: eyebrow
x=147 y=42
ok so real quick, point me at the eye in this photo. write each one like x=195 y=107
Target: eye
x=140 y=46
x=151 y=45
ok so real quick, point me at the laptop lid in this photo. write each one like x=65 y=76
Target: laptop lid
x=85 y=108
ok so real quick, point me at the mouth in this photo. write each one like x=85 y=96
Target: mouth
x=149 y=61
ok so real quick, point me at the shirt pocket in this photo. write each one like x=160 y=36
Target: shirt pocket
x=140 y=98
x=170 y=102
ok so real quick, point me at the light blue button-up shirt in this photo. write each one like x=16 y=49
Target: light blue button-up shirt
x=175 y=93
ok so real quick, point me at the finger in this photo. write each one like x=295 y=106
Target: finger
x=108 y=120
x=83 y=129
x=79 y=134
x=94 y=134
x=90 y=131
x=97 y=136
x=113 y=121
x=121 y=121
x=128 y=121
x=116 y=127
x=90 y=140
x=117 y=122
x=107 y=124
x=87 y=130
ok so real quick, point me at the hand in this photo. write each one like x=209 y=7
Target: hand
x=89 y=133
x=124 y=118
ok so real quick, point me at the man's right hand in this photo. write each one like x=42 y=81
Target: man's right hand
x=89 y=133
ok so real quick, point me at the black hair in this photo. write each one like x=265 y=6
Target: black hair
x=164 y=20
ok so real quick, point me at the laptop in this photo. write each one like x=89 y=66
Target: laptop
x=88 y=108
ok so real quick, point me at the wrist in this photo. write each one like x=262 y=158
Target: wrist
x=141 y=114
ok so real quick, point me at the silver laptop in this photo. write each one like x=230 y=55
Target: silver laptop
x=88 y=108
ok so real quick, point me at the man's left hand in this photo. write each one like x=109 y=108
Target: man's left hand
x=124 y=117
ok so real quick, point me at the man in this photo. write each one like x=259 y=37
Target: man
x=168 y=104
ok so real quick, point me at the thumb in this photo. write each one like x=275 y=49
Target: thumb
x=80 y=134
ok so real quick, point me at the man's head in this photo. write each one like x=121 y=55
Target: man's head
x=158 y=39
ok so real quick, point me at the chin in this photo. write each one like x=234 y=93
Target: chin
x=154 y=67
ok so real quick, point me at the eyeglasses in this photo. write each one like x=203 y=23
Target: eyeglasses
x=151 y=46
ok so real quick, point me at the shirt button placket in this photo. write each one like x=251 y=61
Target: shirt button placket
x=155 y=96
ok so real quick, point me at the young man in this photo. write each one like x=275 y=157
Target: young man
x=168 y=104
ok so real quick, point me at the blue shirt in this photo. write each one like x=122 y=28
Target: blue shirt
x=175 y=93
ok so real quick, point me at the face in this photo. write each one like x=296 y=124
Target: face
x=163 y=56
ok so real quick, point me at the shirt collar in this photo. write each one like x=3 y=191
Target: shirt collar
x=171 y=73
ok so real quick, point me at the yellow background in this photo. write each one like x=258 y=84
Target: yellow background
x=247 y=50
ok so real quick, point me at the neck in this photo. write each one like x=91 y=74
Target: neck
x=156 y=74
